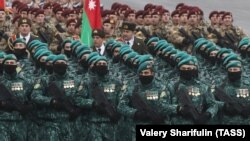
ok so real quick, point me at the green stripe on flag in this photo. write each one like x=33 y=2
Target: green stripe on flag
x=86 y=32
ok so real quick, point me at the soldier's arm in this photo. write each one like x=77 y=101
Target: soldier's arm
x=176 y=38
x=123 y=106
x=82 y=98
x=38 y=94
x=212 y=104
x=29 y=87
x=165 y=103
x=53 y=30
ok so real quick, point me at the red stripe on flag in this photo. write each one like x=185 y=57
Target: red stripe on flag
x=93 y=12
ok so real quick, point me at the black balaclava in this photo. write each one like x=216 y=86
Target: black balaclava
x=234 y=76
x=60 y=68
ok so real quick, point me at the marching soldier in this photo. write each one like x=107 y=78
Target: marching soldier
x=41 y=28
x=213 y=17
x=56 y=103
x=130 y=16
x=195 y=102
x=183 y=14
x=176 y=38
x=59 y=20
x=23 y=11
x=109 y=29
x=229 y=33
x=234 y=92
x=190 y=33
x=139 y=19
x=173 y=29
x=106 y=92
x=147 y=102
x=40 y=57
x=165 y=18
x=47 y=7
x=14 y=27
x=147 y=20
x=14 y=105
x=156 y=28
x=5 y=29
x=69 y=34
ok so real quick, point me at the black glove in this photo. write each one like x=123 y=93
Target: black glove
x=56 y=103
x=204 y=117
x=183 y=111
x=6 y=105
x=25 y=108
x=115 y=118
x=187 y=112
x=141 y=115
x=74 y=113
x=99 y=107
x=230 y=109
x=155 y=117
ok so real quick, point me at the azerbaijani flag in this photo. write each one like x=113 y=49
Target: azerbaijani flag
x=91 y=19
x=2 y=4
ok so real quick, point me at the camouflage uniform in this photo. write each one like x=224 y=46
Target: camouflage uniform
x=59 y=37
x=239 y=91
x=54 y=122
x=14 y=122
x=46 y=32
x=155 y=95
x=231 y=36
x=102 y=127
x=4 y=28
x=175 y=37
